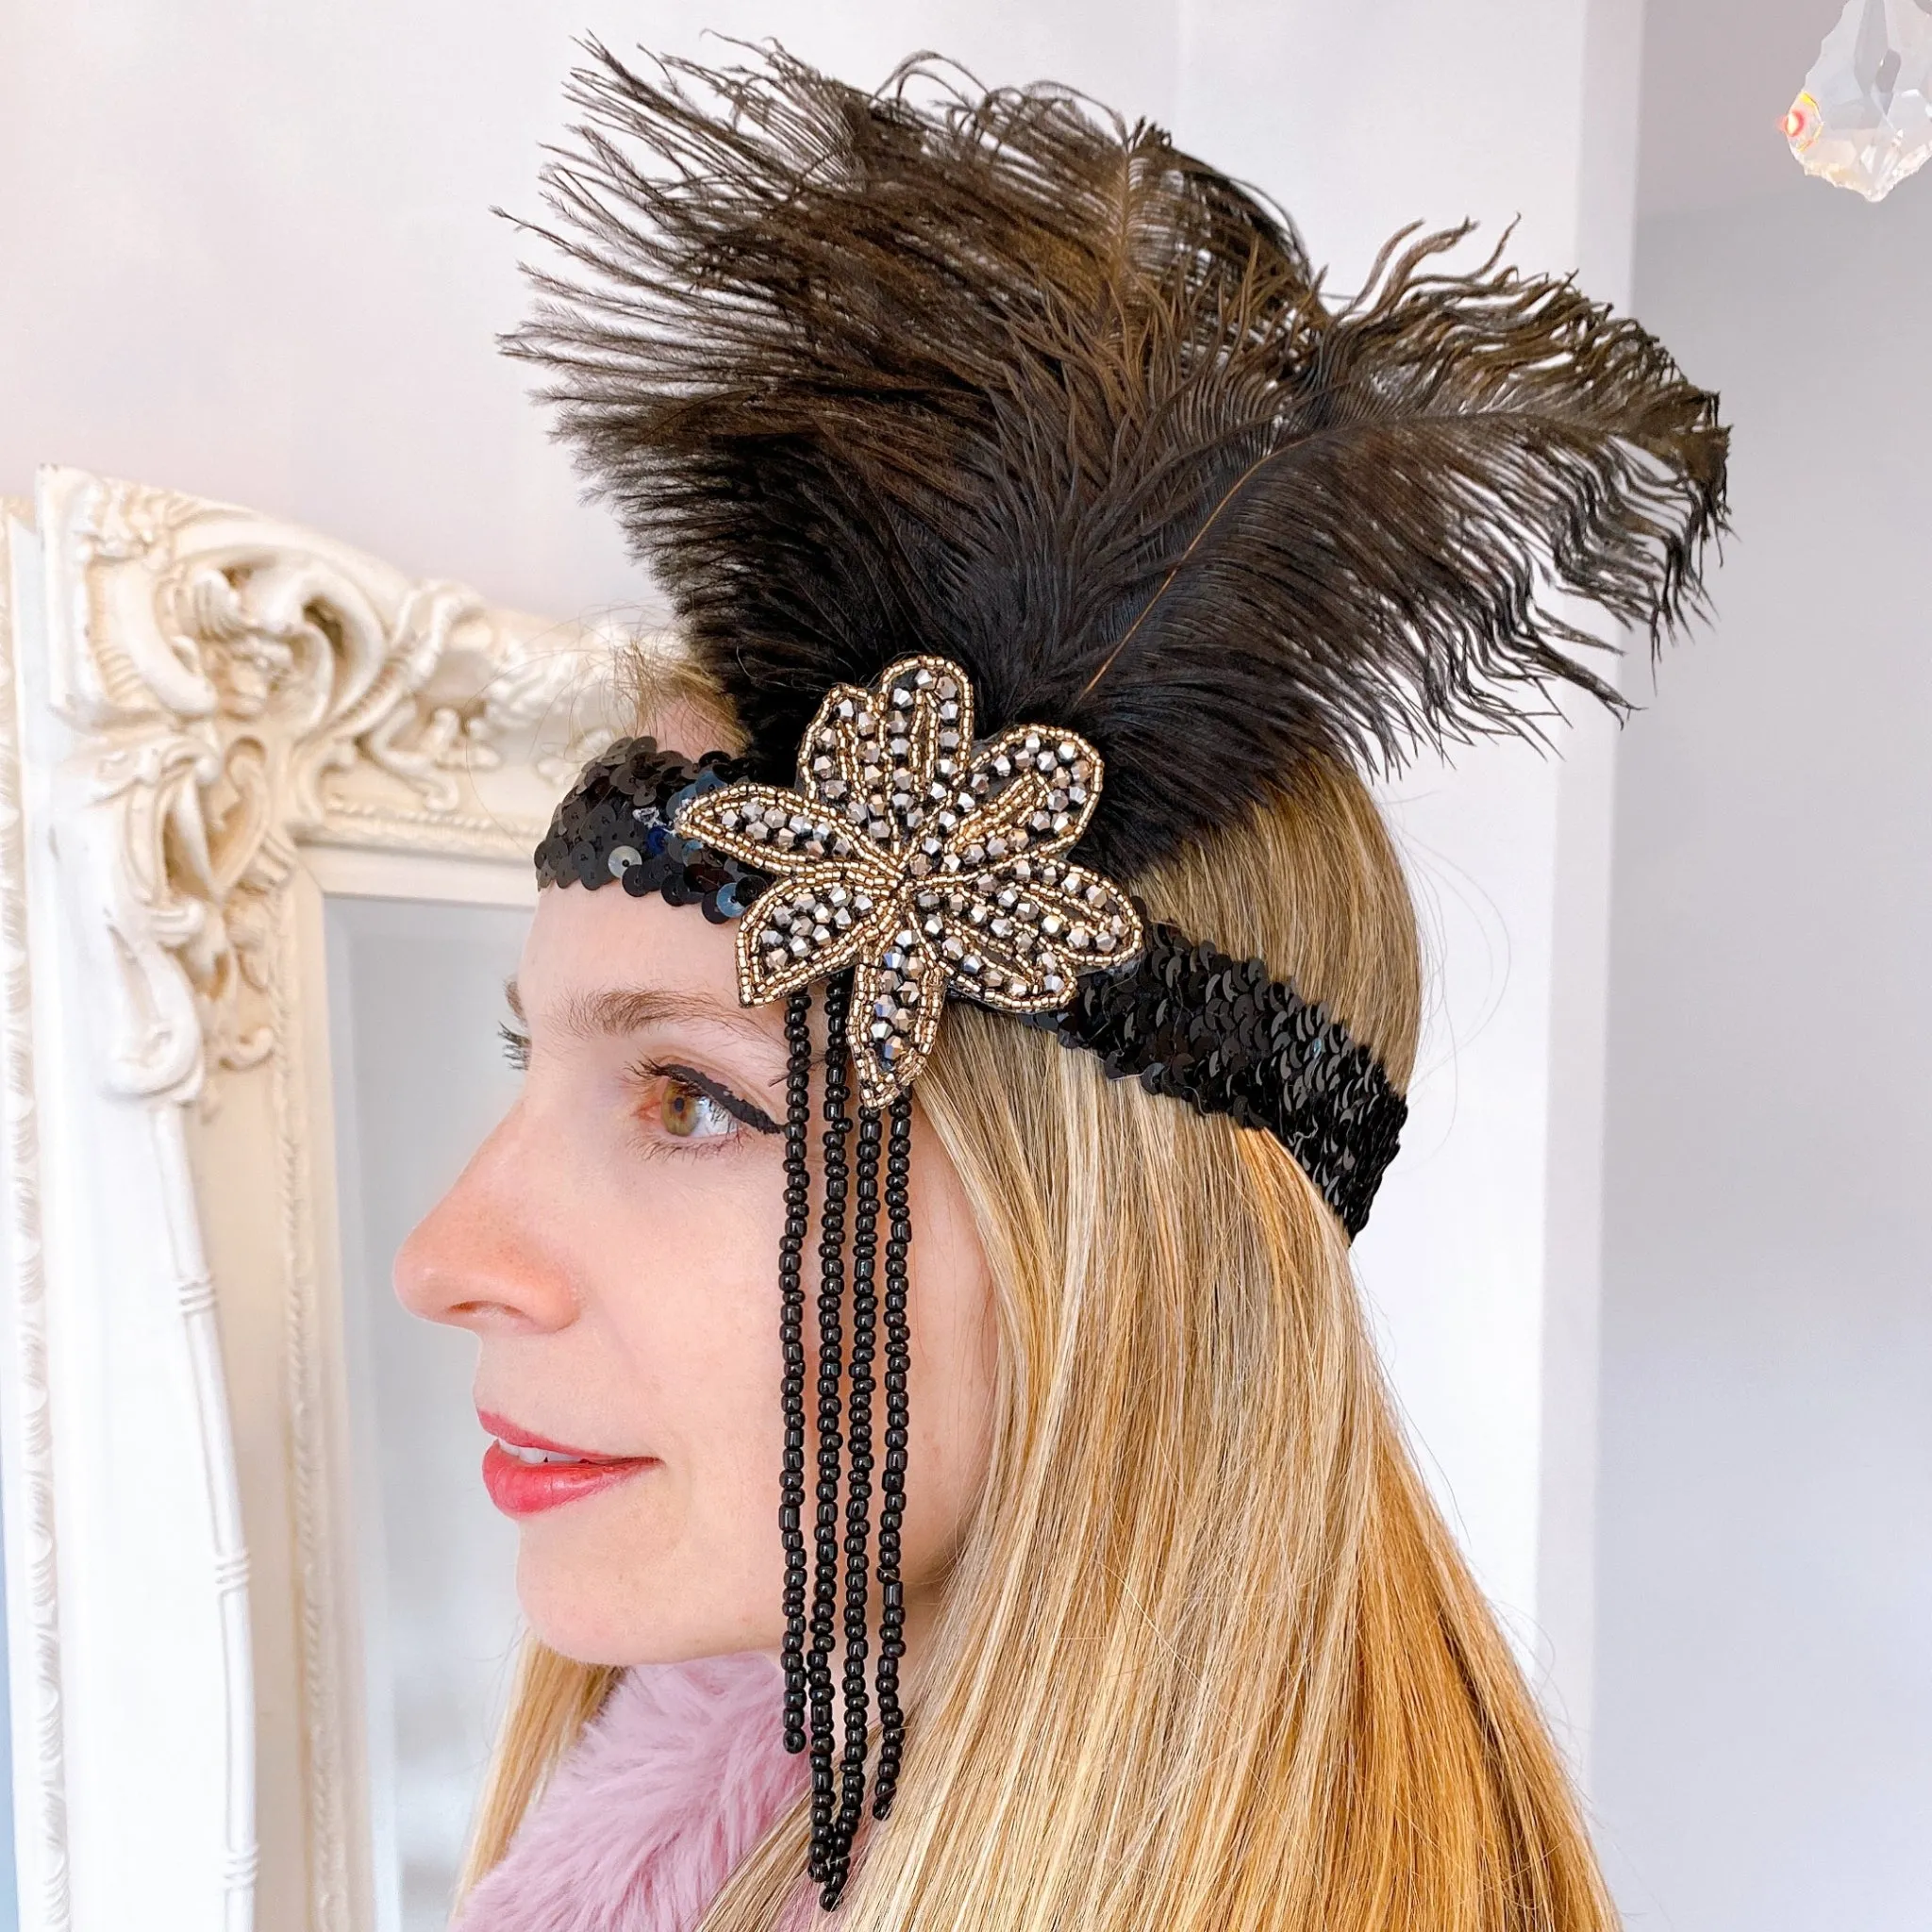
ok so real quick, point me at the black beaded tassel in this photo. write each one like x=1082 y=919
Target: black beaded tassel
x=838 y=1124
x=893 y=1478
x=845 y=1390
x=792 y=1342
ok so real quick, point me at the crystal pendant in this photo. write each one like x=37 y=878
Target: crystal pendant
x=1864 y=120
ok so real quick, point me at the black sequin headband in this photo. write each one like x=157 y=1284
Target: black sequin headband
x=912 y=863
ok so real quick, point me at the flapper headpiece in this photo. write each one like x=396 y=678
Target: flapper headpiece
x=1037 y=516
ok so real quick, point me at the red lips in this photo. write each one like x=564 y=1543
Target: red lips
x=525 y=1488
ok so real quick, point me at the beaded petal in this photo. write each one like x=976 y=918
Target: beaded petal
x=929 y=863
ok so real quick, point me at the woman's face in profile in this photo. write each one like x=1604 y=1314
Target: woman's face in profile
x=613 y=1246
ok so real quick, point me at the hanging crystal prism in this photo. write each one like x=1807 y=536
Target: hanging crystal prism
x=1864 y=119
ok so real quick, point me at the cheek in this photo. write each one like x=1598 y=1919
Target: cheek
x=679 y=1345
x=686 y=1300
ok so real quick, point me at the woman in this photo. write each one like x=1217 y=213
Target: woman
x=1051 y=561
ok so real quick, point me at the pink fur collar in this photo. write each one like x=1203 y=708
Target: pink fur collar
x=670 y=1788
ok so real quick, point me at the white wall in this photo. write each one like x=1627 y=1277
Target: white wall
x=250 y=251
x=252 y=260
x=1764 y=1738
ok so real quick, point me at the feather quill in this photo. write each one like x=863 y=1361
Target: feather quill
x=998 y=375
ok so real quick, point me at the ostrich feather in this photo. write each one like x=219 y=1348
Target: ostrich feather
x=1000 y=377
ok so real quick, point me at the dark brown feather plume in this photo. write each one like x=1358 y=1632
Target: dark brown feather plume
x=999 y=376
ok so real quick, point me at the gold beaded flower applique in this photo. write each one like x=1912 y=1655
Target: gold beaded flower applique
x=925 y=862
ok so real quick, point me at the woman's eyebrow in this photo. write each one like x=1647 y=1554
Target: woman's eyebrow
x=615 y=1010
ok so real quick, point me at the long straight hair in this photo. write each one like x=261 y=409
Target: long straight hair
x=1209 y=1659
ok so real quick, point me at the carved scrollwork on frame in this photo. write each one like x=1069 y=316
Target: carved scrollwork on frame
x=203 y=695
x=243 y=686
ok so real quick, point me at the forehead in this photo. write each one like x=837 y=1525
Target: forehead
x=605 y=937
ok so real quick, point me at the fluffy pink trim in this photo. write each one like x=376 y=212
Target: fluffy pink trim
x=670 y=1788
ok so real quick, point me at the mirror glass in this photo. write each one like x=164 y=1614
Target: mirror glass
x=415 y=1000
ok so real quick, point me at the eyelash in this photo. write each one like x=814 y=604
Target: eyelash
x=742 y=1113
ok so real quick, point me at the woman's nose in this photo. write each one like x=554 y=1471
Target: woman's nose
x=482 y=1259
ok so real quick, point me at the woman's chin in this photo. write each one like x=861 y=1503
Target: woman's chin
x=633 y=1613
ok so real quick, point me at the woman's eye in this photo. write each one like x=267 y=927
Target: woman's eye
x=687 y=1113
x=516 y=1046
x=686 y=1104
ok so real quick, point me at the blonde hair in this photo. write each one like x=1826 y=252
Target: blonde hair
x=1209 y=1661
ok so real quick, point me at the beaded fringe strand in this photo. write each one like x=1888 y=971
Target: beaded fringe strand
x=838 y=1122
x=859 y=1466
x=893 y=1478
x=792 y=1342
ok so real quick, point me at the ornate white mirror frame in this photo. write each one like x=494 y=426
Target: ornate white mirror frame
x=209 y=721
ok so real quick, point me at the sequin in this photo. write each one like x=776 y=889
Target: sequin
x=1218 y=1032
x=616 y=824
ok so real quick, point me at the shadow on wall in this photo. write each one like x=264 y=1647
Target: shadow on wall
x=1763 y=1755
